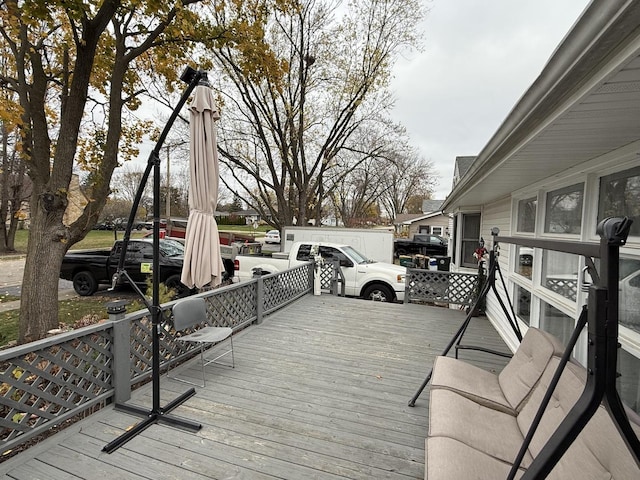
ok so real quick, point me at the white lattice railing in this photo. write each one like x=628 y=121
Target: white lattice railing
x=45 y=383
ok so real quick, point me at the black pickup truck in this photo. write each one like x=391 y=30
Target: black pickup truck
x=423 y=244
x=88 y=269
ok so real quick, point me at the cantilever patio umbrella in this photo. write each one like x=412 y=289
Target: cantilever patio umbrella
x=202 y=260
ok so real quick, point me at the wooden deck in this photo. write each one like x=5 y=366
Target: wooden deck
x=319 y=391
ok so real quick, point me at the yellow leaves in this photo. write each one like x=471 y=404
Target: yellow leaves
x=10 y=112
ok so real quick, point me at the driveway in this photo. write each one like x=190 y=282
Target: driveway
x=11 y=281
x=12 y=273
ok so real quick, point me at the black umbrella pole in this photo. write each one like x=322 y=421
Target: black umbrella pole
x=157 y=413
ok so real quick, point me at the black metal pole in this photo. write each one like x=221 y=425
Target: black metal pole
x=157 y=413
x=602 y=351
x=156 y=313
x=456 y=338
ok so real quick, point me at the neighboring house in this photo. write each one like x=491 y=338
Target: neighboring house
x=77 y=201
x=567 y=156
x=249 y=216
x=431 y=220
x=460 y=168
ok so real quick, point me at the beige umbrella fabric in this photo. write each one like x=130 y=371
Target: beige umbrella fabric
x=202 y=259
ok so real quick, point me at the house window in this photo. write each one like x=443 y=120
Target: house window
x=620 y=196
x=470 y=238
x=560 y=273
x=523 y=304
x=556 y=323
x=527 y=215
x=628 y=383
x=436 y=231
x=563 y=212
x=629 y=293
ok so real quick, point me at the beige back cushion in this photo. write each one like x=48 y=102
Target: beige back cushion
x=524 y=370
x=599 y=451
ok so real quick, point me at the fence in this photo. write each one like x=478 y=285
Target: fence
x=440 y=286
x=45 y=383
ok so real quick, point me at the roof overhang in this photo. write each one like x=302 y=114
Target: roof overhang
x=423 y=217
x=584 y=104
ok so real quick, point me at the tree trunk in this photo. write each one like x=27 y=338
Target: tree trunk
x=47 y=246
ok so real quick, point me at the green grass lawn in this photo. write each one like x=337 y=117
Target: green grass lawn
x=104 y=239
x=94 y=239
x=70 y=312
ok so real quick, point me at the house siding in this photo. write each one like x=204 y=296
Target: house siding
x=438 y=221
x=498 y=214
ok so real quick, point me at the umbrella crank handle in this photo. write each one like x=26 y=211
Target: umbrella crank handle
x=114 y=281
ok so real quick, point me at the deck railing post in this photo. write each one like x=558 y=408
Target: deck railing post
x=312 y=276
x=121 y=350
x=259 y=299
x=407 y=286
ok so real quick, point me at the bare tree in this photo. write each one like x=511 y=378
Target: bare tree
x=408 y=175
x=282 y=138
x=15 y=186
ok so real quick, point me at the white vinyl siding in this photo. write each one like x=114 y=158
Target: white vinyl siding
x=498 y=214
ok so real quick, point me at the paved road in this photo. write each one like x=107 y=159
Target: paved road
x=11 y=279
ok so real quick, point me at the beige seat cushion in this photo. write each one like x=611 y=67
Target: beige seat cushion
x=449 y=459
x=508 y=390
x=482 y=428
x=470 y=381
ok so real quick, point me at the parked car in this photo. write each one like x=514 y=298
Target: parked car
x=103 y=226
x=272 y=236
x=88 y=269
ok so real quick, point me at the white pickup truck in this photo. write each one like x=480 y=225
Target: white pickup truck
x=363 y=277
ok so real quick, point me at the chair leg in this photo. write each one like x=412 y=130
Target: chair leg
x=202 y=362
x=230 y=351
x=204 y=380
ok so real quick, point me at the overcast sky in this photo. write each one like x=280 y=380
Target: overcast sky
x=479 y=58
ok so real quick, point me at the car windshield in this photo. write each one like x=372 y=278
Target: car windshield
x=356 y=256
x=171 y=248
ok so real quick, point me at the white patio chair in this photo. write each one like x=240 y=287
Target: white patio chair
x=191 y=312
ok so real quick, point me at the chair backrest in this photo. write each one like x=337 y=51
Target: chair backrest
x=189 y=312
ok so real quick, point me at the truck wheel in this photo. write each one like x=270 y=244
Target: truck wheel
x=85 y=284
x=378 y=292
x=174 y=283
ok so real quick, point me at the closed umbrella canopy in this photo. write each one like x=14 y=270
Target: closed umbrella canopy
x=202 y=259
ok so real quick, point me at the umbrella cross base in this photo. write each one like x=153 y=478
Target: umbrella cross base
x=151 y=417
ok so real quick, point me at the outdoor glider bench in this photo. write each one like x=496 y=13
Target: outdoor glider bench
x=544 y=415
x=478 y=421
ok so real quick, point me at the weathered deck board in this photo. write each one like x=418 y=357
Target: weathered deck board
x=320 y=390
